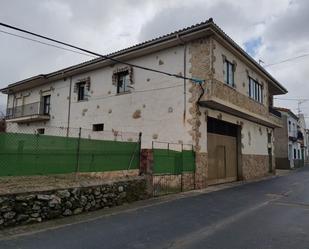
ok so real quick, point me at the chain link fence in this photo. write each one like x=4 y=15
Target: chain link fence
x=25 y=150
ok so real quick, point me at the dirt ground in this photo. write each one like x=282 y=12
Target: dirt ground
x=24 y=184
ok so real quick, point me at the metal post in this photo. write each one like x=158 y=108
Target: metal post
x=181 y=173
x=140 y=150
x=77 y=153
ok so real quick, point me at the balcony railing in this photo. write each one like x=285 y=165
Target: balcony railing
x=36 y=108
x=274 y=112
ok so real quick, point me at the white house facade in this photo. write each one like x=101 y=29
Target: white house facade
x=229 y=119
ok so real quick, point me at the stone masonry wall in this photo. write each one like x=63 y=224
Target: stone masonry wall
x=36 y=207
x=225 y=92
x=255 y=166
x=201 y=68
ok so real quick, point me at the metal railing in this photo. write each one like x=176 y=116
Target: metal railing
x=36 y=108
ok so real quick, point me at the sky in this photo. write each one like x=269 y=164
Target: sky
x=270 y=30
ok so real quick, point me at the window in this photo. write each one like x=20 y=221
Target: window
x=255 y=90
x=269 y=137
x=81 y=87
x=41 y=131
x=295 y=156
x=123 y=82
x=229 y=73
x=289 y=126
x=98 y=127
x=46 y=104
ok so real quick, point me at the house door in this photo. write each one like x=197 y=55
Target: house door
x=222 y=151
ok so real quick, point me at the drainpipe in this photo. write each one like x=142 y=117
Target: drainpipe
x=69 y=107
x=184 y=74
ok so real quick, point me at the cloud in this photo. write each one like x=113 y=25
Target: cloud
x=271 y=30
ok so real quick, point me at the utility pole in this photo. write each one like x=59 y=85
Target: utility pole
x=299 y=102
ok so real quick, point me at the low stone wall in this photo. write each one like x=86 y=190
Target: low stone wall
x=35 y=207
x=112 y=175
x=254 y=166
x=188 y=181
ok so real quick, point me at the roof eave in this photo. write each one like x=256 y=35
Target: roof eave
x=222 y=34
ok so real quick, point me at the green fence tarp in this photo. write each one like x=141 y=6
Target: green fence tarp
x=28 y=154
x=173 y=162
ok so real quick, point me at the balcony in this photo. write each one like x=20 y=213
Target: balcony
x=27 y=113
x=222 y=97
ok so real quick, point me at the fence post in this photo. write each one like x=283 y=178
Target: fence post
x=140 y=150
x=181 y=173
x=78 y=151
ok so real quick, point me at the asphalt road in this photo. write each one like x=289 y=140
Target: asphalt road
x=272 y=213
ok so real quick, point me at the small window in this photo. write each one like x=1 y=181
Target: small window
x=81 y=87
x=46 y=104
x=255 y=90
x=98 y=127
x=269 y=137
x=289 y=126
x=41 y=131
x=295 y=156
x=229 y=73
x=123 y=80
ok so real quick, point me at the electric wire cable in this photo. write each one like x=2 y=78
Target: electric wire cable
x=107 y=57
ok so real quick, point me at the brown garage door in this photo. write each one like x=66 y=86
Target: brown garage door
x=222 y=151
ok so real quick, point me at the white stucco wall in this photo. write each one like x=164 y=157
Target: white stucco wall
x=161 y=109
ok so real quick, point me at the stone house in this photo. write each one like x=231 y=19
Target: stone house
x=289 y=147
x=228 y=119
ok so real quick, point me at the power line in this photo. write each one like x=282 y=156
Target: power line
x=45 y=43
x=100 y=55
x=95 y=55
x=293 y=99
x=287 y=60
x=100 y=97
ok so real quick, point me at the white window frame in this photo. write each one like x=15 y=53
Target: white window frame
x=123 y=82
x=229 y=77
x=255 y=90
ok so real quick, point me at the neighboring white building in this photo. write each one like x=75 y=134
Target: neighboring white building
x=233 y=111
x=290 y=143
x=302 y=129
x=307 y=152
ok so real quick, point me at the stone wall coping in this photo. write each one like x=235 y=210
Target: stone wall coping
x=75 y=186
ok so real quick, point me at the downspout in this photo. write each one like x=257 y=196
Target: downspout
x=69 y=107
x=184 y=80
